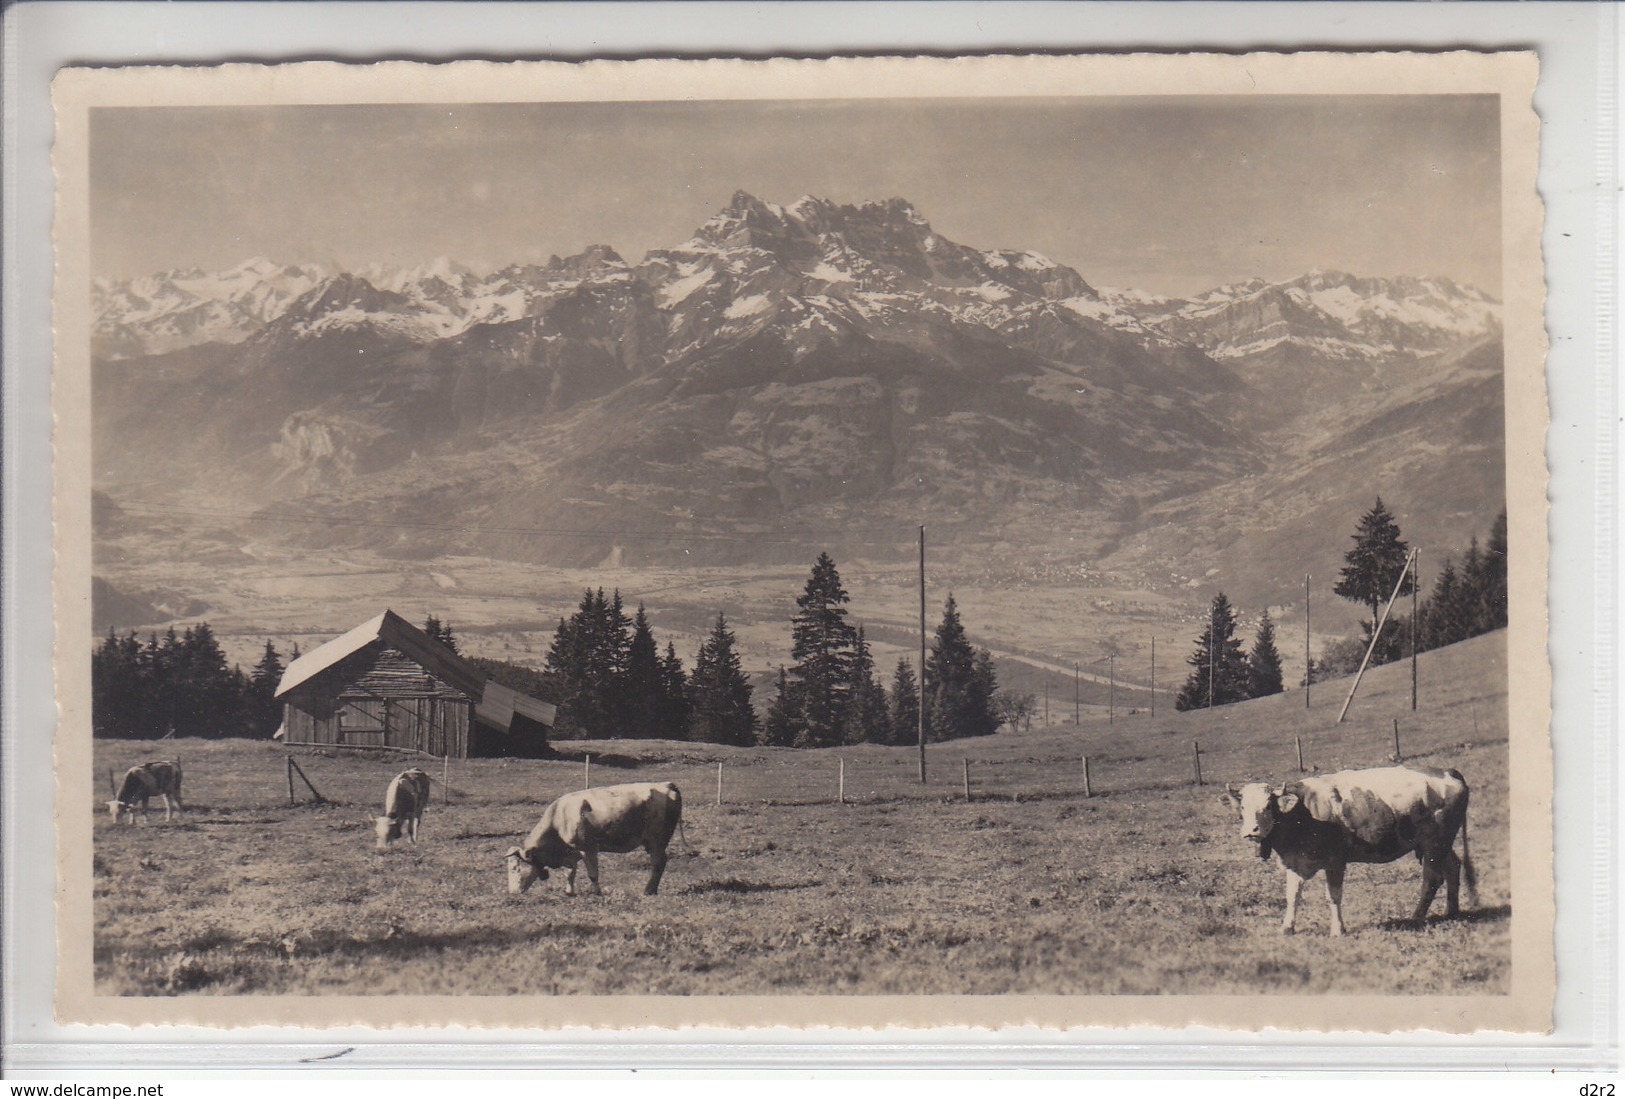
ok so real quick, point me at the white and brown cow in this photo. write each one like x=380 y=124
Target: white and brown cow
x=1325 y=822
x=576 y=827
x=404 y=802
x=156 y=778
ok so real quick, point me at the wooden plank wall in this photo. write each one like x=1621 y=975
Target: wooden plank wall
x=380 y=697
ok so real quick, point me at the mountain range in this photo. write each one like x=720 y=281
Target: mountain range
x=811 y=373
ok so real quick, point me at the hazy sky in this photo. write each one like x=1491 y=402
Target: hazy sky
x=1172 y=194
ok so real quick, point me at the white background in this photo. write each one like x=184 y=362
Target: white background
x=1578 y=44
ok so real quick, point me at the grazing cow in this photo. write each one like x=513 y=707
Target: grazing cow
x=157 y=778
x=577 y=826
x=1326 y=822
x=404 y=802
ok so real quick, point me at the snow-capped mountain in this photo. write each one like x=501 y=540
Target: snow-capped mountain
x=175 y=309
x=1327 y=314
x=815 y=364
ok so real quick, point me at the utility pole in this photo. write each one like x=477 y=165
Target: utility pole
x=1307 y=667
x=1076 y=679
x=1111 y=705
x=1153 y=675
x=922 y=655
x=1416 y=584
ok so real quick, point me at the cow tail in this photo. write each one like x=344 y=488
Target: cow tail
x=677 y=800
x=1467 y=870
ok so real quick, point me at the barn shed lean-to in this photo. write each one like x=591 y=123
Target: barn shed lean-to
x=387 y=684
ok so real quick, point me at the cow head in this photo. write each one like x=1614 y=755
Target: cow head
x=118 y=810
x=388 y=829
x=1259 y=807
x=523 y=871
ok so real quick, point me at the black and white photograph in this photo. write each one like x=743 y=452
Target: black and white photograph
x=1018 y=540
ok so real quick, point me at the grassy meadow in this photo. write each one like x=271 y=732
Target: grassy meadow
x=1029 y=887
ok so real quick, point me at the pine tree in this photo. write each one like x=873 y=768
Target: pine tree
x=674 y=707
x=1440 y=625
x=441 y=632
x=1374 y=565
x=905 y=705
x=1218 y=659
x=719 y=693
x=867 y=719
x=959 y=685
x=640 y=686
x=824 y=647
x=587 y=663
x=1264 y=663
x=782 y=725
x=1493 y=615
x=263 y=714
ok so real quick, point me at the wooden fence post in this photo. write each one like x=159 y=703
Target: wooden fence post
x=1196 y=754
x=1298 y=742
x=290 y=778
x=1087 y=792
x=586 y=782
x=1397 y=757
x=967 y=779
x=840 y=790
x=719 y=782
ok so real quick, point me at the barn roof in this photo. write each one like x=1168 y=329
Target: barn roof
x=494 y=704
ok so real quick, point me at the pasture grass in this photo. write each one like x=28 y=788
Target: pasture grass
x=1030 y=887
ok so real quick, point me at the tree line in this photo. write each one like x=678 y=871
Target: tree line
x=180 y=685
x=1468 y=598
x=608 y=678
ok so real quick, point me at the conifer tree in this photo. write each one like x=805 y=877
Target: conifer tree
x=824 y=648
x=1494 y=598
x=640 y=688
x=959 y=685
x=782 y=725
x=263 y=713
x=441 y=632
x=673 y=707
x=1218 y=659
x=1264 y=663
x=867 y=720
x=719 y=693
x=1440 y=624
x=905 y=705
x=1374 y=565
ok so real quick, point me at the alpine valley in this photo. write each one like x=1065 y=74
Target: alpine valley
x=790 y=379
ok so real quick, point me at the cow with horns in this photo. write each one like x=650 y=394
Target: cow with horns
x=1325 y=822
x=156 y=778
x=576 y=827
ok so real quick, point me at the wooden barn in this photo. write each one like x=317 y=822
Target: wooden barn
x=387 y=684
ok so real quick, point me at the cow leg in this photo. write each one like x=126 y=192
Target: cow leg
x=1432 y=878
x=657 y=859
x=591 y=859
x=167 y=811
x=1294 y=889
x=1452 y=884
x=1334 y=896
x=570 y=881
